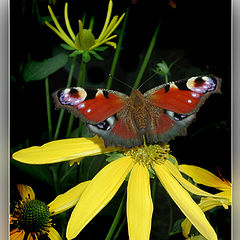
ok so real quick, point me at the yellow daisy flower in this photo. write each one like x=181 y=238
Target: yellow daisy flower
x=134 y=163
x=204 y=177
x=84 y=40
x=30 y=218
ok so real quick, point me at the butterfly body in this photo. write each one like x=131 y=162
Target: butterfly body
x=156 y=116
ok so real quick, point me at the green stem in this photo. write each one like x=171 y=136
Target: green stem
x=117 y=218
x=154 y=186
x=117 y=52
x=48 y=109
x=81 y=83
x=147 y=57
x=60 y=118
x=166 y=78
x=120 y=228
x=54 y=170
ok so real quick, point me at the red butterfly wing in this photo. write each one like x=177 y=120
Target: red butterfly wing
x=184 y=96
x=91 y=105
x=178 y=103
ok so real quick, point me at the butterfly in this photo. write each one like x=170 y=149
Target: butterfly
x=157 y=116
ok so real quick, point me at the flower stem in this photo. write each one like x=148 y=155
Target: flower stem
x=117 y=218
x=48 y=109
x=60 y=118
x=117 y=52
x=120 y=228
x=147 y=57
x=81 y=83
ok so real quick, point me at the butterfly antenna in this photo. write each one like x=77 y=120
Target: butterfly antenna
x=153 y=75
x=111 y=76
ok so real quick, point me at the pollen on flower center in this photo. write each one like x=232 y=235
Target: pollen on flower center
x=34 y=216
x=147 y=154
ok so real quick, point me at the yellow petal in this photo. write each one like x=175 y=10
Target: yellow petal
x=26 y=192
x=204 y=177
x=186 y=227
x=68 y=199
x=70 y=31
x=205 y=204
x=184 y=201
x=53 y=234
x=226 y=194
x=98 y=193
x=109 y=12
x=139 y=203
x=63 y=36
x=16 y=234
x=62 y=150
x=186 y=184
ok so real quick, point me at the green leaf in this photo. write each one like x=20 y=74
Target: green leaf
x=76 y=53
x=101 y=49
x=66 y=47
x=96 y=55
x=113 y=156
x=35 y=70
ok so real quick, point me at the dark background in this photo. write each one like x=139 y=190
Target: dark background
x=198 y=33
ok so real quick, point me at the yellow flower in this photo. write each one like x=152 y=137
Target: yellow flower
x=204 y=177
x=136 y=163
x=31 y=218
x=84 y=40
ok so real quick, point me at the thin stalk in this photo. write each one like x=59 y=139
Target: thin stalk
x=80 y=82
x=60 y=118
x=117 y=218
x=120 y=228
x=117 y=52
x=48 y=109
x=166 y=78
x=54 y=170
x=147 y=57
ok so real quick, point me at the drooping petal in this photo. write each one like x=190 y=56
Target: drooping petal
x=202 y=176
x=68 y=199
x=186 y=184
x=26 y=192
x=97 y=194
x=53 y=234
x=17 y=234
x=184 y=201
x=62 y=150
x=139 y=203
x=205 y=204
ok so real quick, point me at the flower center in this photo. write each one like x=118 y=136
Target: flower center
x=147 y=154
x=34 y=216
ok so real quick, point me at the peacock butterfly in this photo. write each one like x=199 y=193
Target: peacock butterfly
x=158 y=115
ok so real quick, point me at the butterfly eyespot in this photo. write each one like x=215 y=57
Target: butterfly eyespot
x=176 y=116
x=105 y=125
x=202 y=85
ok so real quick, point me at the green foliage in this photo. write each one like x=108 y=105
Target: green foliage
x=35 y=70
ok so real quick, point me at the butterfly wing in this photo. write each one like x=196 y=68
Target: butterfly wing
x=179 y=102
x=99 y=109
x=90 y=105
